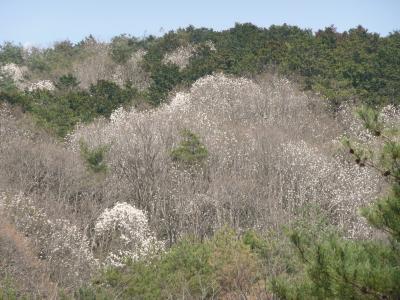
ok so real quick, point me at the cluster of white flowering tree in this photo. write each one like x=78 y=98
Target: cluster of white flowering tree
x=180 y=56
x=121 y=233
x=18 y=75
x=58 y=241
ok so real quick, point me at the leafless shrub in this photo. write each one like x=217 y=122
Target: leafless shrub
x=56 y=241
x=44 y=186
x=29 y=274
x=98 y=65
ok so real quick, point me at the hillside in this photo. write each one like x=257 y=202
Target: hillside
x=179 y=166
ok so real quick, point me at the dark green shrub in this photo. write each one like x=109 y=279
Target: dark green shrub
x=67 y=82
x=10 y=53
x=165 y=78
x=122 y=47
x=190 y=150
x=36 y=62
x=108 y=96
x=7 y=84
x=95 y=157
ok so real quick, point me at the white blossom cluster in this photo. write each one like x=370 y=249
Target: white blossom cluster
x=180 y=56
x=211 y=45
x=58 y=241
x=353 y=126
x=16 y=73
x=119 y=233
x=132 y=70
x=212 y=105
x=390 y=115
x=124 y=232
x=340 y=188
x=41 y=85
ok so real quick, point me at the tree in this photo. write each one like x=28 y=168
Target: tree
x=108 y=96
x=94 y=158
x=338 y=268
x=65 y=47
x=165 y=78
x=67 y=82
x=10 y=53
x=122 y=47
x=190 y=150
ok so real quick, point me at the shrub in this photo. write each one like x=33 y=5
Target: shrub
x=190 y=151
x=122 y=48
x=10 y=53
x=122 y=233
x=7 y=84
x=94 y=158
x=38 y=63
x=108 y=96
x=220 y=267
x=165 y=78
x=67 y=82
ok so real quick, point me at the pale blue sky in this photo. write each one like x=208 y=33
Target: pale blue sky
x=41 y=22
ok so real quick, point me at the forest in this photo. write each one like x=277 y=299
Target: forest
x=248 y=163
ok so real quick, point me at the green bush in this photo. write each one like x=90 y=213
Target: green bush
x=191 y=269
x=165 y=78
x=190 y=150
x=122 y=47
x=36 y=62
x=67 y=82
x=7 y=84
x=10 y=53
x=59 y=111
x=344 y=66
x=94 y=158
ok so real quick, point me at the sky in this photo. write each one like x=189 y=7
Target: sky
x=41 y=22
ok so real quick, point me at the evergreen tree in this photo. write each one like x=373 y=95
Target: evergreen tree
x=190 y=151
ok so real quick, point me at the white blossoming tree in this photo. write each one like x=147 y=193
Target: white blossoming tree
x=121 y=233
